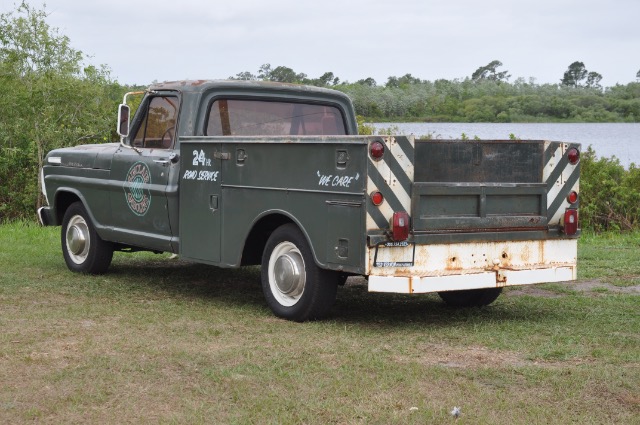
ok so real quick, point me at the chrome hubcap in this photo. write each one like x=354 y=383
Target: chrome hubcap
x=287 y=274
x=77 y=239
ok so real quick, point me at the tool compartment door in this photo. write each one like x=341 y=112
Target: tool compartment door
x=200 y=201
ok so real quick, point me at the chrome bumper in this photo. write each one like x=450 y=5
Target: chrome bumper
x=45 y=217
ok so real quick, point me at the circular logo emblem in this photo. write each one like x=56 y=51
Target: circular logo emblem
x=136 y=188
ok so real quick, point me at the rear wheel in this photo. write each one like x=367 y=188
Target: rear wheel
x=470 y=297
x=294 y=286
x=83 y=250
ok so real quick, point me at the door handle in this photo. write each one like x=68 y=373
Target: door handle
x=161 y=161
x=213 y=203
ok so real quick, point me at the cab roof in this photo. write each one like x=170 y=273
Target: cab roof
x=266 y=86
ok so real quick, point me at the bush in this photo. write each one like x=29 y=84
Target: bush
x=609 y=194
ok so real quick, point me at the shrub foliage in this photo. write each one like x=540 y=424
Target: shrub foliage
x=609 y=194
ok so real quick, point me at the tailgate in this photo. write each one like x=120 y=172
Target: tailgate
x=479 y=185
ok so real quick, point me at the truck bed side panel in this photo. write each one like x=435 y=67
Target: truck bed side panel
x=316 y=182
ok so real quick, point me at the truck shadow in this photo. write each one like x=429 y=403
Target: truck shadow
x=354 y=304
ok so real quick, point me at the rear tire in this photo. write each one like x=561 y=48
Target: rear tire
x=294 y=286
x=83 y=250
x=470 y=297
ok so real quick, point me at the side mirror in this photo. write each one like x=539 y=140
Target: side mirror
x=123 y=120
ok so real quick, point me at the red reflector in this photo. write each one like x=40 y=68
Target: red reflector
x=574 y=156
x=376 y=149
x=377 y=198
x=571 y=222
x=573 y=197
x=400 y=226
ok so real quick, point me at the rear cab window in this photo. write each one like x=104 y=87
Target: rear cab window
x=248 y=117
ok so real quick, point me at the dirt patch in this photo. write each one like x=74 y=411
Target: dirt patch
x=596 y=285
x=532 y=291
x=475 y=357
x=469 y=357
x=585 y=286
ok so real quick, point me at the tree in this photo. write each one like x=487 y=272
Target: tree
x=370 y=82
x=404 y=81
x=264 y=73
x=593 y=80
x=638 y=75
x=490 y=72
x=574 y=74
x=393 y=82
x=280 y=74
x=246 y=76
x=50 y=98
x=325 y=79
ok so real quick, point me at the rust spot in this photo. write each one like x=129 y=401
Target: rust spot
x=525 y=254
x=402 y=272
x=453 y=263
x=506 y=259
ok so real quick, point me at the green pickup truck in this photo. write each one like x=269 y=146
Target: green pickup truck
x=233 y=173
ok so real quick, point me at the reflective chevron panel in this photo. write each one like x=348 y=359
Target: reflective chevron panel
x=392 y=176
x=561 y=178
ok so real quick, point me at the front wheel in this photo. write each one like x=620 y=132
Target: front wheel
x=294 y=286
x=470 y=297
x=83 y=250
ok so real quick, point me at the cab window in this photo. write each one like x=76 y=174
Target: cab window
x=158 y=126
x=242 y=117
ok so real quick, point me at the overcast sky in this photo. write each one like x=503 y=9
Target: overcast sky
x=146 y=40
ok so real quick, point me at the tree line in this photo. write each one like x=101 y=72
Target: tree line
x=51 y=98
x=486 y=96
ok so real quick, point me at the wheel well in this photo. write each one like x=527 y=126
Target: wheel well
x=63 y=201
x=258 y=236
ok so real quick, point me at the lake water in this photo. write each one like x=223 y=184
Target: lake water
x=609 y=139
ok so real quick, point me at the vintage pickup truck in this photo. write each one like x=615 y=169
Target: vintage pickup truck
x=233 y=173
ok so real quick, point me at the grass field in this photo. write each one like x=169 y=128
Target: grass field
x=161 y=341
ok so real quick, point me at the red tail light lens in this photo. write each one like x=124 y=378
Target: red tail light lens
x=377 y=198
x=571 y=222
x=574 y=156
x=400 y=226
x=376 y=149
x=573 y=197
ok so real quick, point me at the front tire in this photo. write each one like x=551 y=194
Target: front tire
x=83 y=250
x=294 y=286
x=470 y=297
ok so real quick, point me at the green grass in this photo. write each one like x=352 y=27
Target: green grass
x=611 y=257
x=159 y=340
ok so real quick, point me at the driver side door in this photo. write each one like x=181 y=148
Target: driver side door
x=140 y=175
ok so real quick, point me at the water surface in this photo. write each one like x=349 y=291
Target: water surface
x=609 y=139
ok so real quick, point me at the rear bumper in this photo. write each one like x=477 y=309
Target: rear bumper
x=414 y=269
x=493 y=279
x=45 y=216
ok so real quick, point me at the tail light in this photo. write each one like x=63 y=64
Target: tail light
x=573 y=155
x=571 y=222
x=572 y=198
x=376 y=150
x=400 y=228
x=377 y=198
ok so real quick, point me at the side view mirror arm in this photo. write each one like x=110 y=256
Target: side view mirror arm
x=124 y=118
